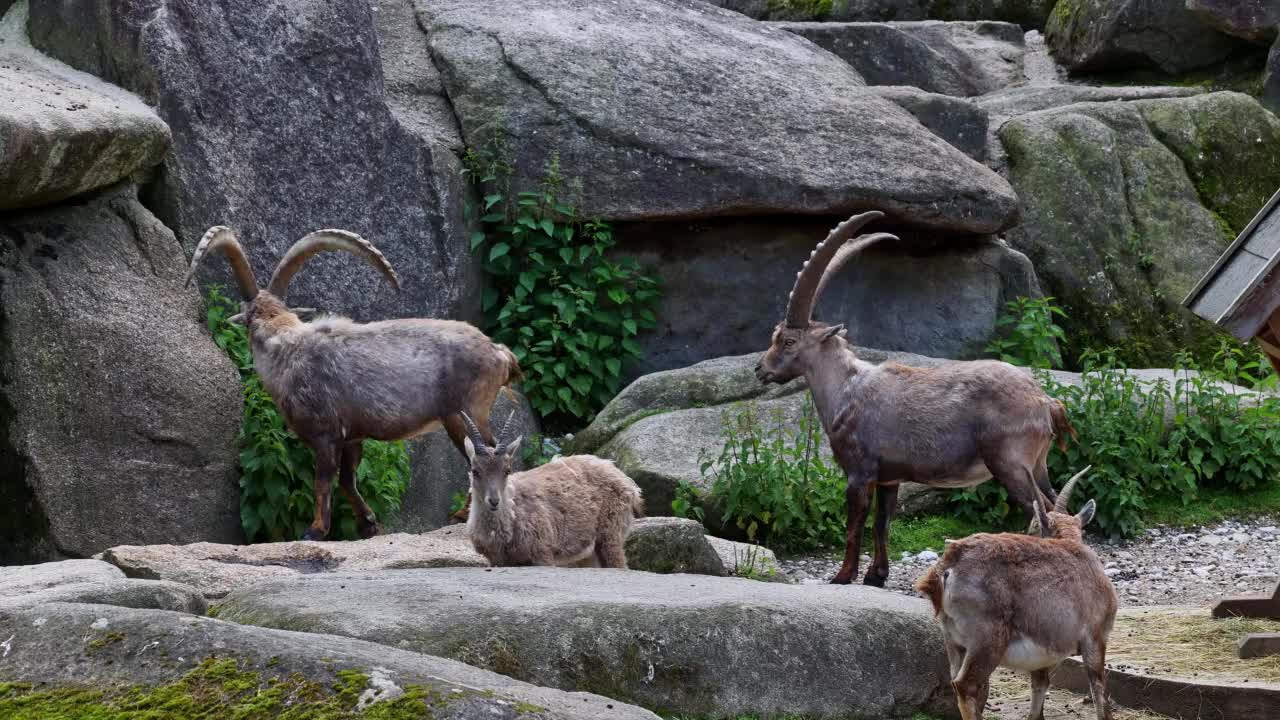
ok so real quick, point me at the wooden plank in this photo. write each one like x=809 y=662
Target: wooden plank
x=1250 y=606
x=1210 y=277
x=1248 y=318
x=1216 y=298
x=1263 y=237
x=1256 y=645
x=1179 y=698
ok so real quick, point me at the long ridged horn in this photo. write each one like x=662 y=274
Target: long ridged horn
x=844 y=255
x=502 y=434
x=319 y=241
x=220 y=237
x=800 y=302
x=477 y=437
x=1064 y=495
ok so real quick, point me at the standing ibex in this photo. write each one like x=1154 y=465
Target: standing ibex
x=570 y=510
x=952 y=426
x=1025 y=603
x=338 y=382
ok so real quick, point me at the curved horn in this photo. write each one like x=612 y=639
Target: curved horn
x=844 y=255
x=477 y=438
x=800 y=302
x=1064 y=495
x=318 y=242
x=220 y=237
x=502 y=434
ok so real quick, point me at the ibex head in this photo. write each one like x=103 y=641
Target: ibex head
x=258 y=304
x=798 y=336
x=490 y=464
x=1058 y=522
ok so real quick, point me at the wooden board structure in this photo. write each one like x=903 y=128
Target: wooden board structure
x=1241 y=292
x=1253 y=645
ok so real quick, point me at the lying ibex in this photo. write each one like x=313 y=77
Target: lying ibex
x=338 y=382
x=952 y=426
x=563 y=513
x=1025 y=603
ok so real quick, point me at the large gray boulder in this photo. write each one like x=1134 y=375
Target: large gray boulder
x=1126 y=205
x=1271 y=79
x=959 y=121
x=671 y=545
x=951 y=58
x=239 y=82
x=94 y=582
x=662 y=427
x=1028 y=13
x=63 y=647
x=678 y=644
x=737 y=274
x=1253 y=20
x=670 y=109
x=120 y=415
x=217 y=569
x=1100 y=35
x=63 y=133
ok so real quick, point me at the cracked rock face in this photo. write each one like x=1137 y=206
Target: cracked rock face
x=118 y=414
x=674 y=110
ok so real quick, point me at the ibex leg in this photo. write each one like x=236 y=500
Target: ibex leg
x=1039 y=688
x=1094 y=659
x=326 y=467
x=858 y=501
x=974 y=681
x=886 y=504
x=366 y=521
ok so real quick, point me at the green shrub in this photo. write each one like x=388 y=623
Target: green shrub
x=1029 y=335
x=775 y=484
x=569 y=312
x=276 y=490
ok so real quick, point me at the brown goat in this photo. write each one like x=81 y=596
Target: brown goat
x=1024 y=603
x=573 y=509
x=953 y=426
x=338 y=382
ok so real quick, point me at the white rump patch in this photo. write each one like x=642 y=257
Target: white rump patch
x=1024 y=654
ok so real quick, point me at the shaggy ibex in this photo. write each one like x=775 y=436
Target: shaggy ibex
x=563 y=513
x=1025 y=603
x=338 y=382
x=952 y=426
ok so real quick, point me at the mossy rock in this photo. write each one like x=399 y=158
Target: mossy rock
x=75 y=662
x=1126 y=205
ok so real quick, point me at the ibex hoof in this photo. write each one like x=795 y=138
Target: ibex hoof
x=841 y=579
x=874 y=581
x=313 y=534
x=369 y=529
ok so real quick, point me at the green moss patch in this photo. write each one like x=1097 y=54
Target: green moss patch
x=220 y=689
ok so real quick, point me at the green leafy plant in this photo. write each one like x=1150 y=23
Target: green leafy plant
x=774 y=483
x=558 y=297
x=1029 y=333
x=276 y=481
x=687 y=504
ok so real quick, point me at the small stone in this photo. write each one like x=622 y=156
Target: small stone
x=1210 y=539
x=1112 y=572
x=927 y=555
x=1241 y=537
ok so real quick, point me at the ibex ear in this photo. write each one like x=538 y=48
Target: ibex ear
x=1042 y=520
x=470 y=448
x=514 y=446
x=831 y=332
x=1086 y=513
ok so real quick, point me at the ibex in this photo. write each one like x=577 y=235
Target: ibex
x=1025 y=603
x=338 y=382
x=571 y=510
x=953 y=426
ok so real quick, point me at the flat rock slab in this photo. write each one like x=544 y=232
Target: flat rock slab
x=106 y=648
x=63 y=133
x=217 y=569
x=23 y=579
x=674 y=110
x=684 y=644
x=91 y=581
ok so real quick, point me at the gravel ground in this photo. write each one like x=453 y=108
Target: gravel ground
x=1166 y=566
